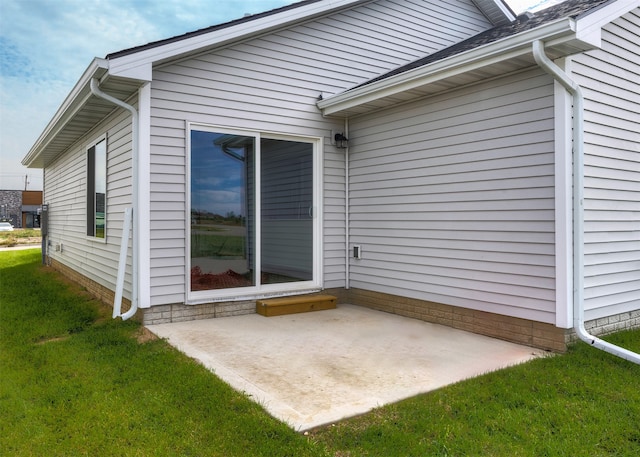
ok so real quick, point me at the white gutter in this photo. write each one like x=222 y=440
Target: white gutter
x=578 y=205
x=556 y=32
x=95 y=90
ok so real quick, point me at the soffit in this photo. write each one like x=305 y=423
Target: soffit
x=78 y=118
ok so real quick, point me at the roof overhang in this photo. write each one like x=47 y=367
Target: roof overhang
x=484 y=62
x=136 y=63
x=497 y=11
x=79 y=113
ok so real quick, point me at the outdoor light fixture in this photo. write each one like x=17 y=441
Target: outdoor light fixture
x=341 y=141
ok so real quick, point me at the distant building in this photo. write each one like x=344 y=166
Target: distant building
x=21 y=208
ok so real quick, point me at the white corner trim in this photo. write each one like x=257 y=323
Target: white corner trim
x=143 y=242
x=563 y=205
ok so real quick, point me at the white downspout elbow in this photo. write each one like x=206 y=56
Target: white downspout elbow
x=95 y=90
x=578 y=205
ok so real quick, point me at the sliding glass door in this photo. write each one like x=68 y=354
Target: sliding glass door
x=252 y=211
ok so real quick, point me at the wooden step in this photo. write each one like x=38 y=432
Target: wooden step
x=296 y=304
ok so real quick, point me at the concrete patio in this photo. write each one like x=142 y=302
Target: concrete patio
x=316 y=368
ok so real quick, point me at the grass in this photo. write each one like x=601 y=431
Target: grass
x=75 y=382
x=217 y=246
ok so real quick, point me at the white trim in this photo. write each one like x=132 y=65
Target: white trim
x=589 y=27
x=563 y=206
x=86 y=147
x=263 y=290
x=68 y=109
x=143 y=205
x=507 y=48
x=128 y=64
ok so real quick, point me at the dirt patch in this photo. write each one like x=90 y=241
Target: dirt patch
x=52 y=340
x=143 y=335
x=12 y=241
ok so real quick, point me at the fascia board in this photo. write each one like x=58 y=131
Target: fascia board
x=589 y=27
x=510 y=47
x=126 y=64
x=70 y=106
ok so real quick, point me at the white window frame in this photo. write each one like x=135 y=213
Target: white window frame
x=263 y=290
x=87 y=147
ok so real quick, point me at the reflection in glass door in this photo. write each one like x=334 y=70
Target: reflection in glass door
x=221 y=240
x=245 y=234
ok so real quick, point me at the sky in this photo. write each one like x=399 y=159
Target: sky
x=45 y=46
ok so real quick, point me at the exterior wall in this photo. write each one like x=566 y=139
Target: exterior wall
x=272 y=84
x=610 y=79
x=65 y=191
x=452 y=198
x=521 y=331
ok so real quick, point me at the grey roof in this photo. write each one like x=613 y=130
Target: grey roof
x=488 y=6
x=524 y=22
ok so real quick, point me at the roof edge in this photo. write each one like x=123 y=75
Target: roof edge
x=498 y=50
x=126 y=62
x=96 y=69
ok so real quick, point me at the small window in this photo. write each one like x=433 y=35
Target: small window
x=97 y=189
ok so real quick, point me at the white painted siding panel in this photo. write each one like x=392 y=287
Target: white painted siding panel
x=453 y=198
x=610 y=78
x=272 y=84
x=65 y=191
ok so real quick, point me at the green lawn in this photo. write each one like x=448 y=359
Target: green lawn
x=74 y=382
x=206 y=244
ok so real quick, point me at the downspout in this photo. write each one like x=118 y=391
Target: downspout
x=95 y=90
x=347 y=270
x=578 y=205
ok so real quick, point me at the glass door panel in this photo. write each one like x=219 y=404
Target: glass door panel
x=222 y=211
x=286 y=211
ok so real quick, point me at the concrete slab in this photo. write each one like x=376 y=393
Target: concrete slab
x=316 y=368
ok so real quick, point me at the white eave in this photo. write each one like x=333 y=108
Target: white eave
x=562 y=37
x=496 y=11
x=486 y=61
x=78 y=114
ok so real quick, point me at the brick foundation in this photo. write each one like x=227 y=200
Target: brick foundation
x=96 y=290
x=522 y=331
x=178 y=312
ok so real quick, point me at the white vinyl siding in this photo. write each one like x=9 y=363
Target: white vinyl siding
x=271 y=84
x=610 y=79
x=452 y=198
x=66 y=193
